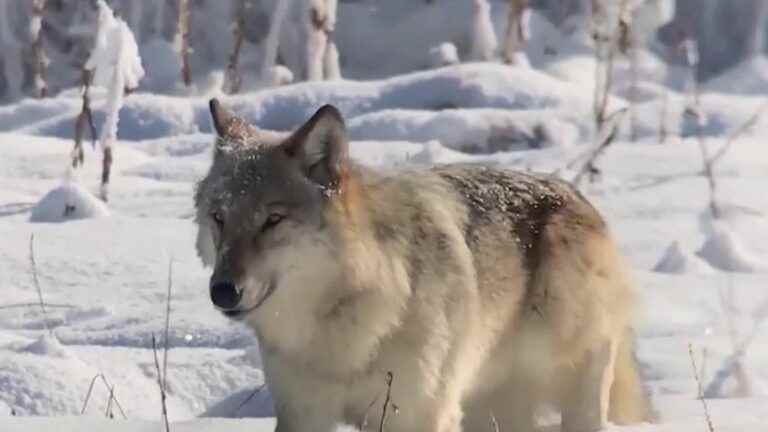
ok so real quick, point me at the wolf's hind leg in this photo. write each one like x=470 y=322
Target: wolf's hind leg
x=586 y=400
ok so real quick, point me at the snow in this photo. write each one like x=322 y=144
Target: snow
x=679 y=260
x=444 y=54
x=724 y=250
x=103 y=273
x=67 y=201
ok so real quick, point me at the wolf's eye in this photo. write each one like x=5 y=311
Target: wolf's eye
x=218 y=217
x=272 y=220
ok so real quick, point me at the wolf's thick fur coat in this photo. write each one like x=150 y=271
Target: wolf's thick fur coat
x=486 y=293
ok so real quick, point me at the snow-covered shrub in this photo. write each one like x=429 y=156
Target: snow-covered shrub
x=444 y=54
x=117 y=65
x=68 y=201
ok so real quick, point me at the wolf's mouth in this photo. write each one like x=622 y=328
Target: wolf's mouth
x=237 y=314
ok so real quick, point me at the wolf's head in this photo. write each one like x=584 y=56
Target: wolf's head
x=262 y=209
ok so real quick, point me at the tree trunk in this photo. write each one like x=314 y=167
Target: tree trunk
x=755 y=28
x=183 y=34
x=39 y=59
x=233 y=78
x=517 y=32
x=317 y=39
x=12 y=71
x=84 y=119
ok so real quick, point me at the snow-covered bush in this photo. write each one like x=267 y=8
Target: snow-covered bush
x=117 y=65
x=68 y=201
x=444 y=54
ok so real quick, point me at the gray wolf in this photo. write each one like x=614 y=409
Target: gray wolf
x=486 y=293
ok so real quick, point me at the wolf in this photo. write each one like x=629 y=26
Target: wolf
x=439 y=300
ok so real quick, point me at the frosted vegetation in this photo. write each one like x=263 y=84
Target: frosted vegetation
x=654 y=108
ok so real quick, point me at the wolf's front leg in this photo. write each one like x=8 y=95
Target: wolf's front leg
x=585 y=407
x=311 y=409
x=303 y=403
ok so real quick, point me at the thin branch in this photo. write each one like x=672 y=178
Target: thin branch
x=108 y=411
x=88 y=394
x=590 y=167
x=494 y=423
x=738 y=132
x=85 y=118
x=112 y=396
x=37 y=282
x=167 y=324
x=710 y=427
x=160 y=384
x=389 y=379
x=248 y=399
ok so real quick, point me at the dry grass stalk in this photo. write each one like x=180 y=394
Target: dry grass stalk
x=36 y=281
x=710 y=427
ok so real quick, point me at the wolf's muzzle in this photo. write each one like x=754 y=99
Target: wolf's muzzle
x=225 y=295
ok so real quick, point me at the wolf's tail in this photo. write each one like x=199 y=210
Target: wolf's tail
x=629 y=401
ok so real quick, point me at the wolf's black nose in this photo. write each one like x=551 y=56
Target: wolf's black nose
x=225 y=295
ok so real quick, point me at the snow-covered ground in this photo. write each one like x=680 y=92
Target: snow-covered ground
x=104 y=279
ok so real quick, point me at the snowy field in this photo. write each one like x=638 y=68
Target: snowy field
x=104 y=279
x=87 y=363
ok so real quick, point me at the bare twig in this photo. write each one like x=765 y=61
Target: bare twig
x=589 y=167
x=710 y=427
x=108 y=411
x=85 y=118
x=738 y=132
x=167 y=324
x=186 y=73
x=106 y=170
x=160 y=384
x=233 y=77
x=387 y=400
x=88 y=394
x=112 y=396
x=494 y=423
x=248 y=399
x=37 y=282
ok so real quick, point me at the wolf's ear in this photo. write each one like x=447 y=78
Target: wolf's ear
x=321 y=146
x=232 y=131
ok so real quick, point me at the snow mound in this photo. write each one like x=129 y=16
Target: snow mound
x=443 y=55
x=471 y=85
x=679 y=260
x=67 y=202
x=469 y=130
x=244 y=403
x=725 y=251
x=47 y=345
